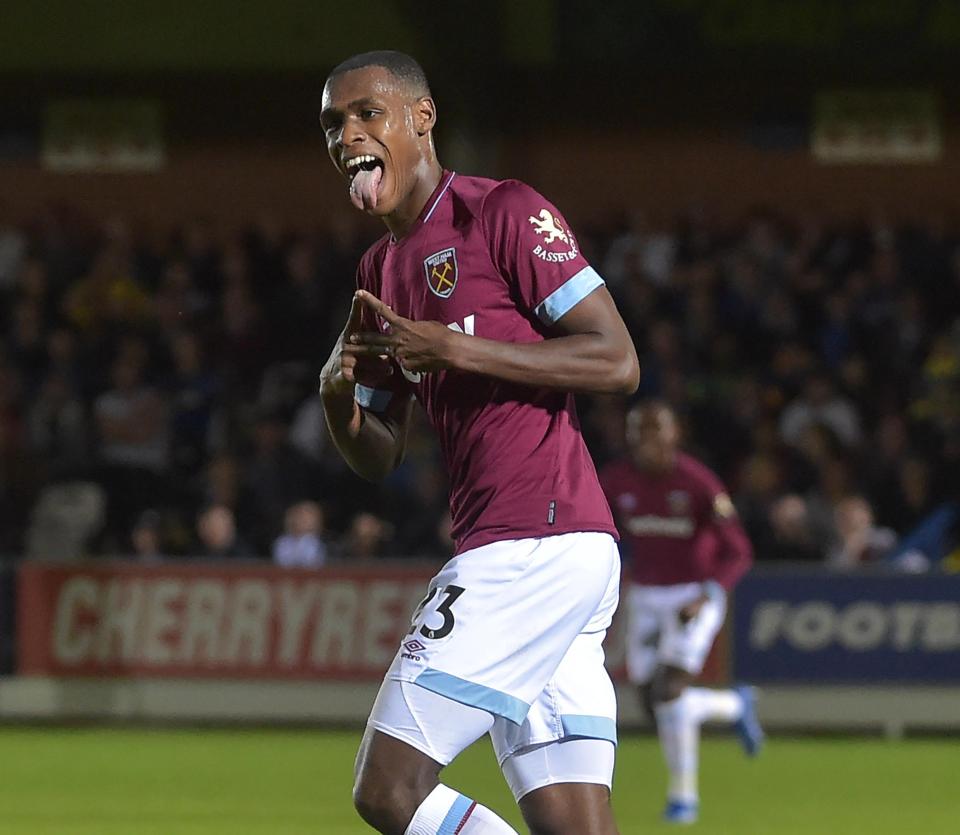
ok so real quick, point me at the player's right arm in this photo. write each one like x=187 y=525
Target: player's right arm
x=371 y=437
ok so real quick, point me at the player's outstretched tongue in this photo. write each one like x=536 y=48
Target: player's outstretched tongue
x=363 y=189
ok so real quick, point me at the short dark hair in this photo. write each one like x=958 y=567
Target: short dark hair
x=398 y=64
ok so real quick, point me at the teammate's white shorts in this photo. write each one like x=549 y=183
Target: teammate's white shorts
x=509 y=642
x=656 y=636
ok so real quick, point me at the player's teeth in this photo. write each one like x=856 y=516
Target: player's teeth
x=355 y=161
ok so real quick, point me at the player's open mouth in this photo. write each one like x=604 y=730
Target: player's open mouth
x=365 y=172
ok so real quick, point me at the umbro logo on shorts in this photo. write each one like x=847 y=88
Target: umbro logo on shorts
x=414 y=646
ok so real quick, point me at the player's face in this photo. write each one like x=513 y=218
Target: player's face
x=374 y=124
x=652 y=435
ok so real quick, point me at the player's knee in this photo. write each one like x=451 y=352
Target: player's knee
x=569 y=809
x=371 y=801
x=386 y=803
x=667 y=684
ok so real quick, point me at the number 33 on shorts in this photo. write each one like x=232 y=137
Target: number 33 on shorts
x=434 y=616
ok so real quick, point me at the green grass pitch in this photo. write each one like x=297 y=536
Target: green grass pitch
x=201 y=782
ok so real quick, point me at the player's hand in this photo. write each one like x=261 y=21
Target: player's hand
x=416 y=346
x=343 y=370
x=692 y=609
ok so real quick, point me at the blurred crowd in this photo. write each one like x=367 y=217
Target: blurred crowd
x=158 y=390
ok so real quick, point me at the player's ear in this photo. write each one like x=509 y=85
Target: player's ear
x=424 y=115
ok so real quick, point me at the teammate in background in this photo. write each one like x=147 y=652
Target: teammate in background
x=687 y=550
x=479 y=303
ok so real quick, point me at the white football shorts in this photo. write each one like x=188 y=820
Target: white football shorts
x=656 y=636
x=509 y=641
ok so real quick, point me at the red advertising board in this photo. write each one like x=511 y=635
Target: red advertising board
x=221 y=621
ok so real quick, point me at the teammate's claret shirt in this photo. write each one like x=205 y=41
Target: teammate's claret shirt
x=494 y=260
x=679 y=527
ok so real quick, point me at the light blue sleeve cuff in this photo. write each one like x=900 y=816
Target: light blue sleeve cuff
x=574 y=290
x=713 y=590
x=376 y=400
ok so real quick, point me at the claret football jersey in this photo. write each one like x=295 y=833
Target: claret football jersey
x=493 y=259
x=679 y=527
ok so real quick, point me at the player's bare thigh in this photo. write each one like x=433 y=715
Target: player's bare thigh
x=569 y=809
x=411 y=734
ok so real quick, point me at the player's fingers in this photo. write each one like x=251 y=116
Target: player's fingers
x=346 y=371
x=371 y=338
x=378 y=307
x=356 y=314
x=383 y=350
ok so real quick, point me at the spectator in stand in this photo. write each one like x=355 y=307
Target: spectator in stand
x=909 y=495
x=243 y=336
x=146 y=538
x=889 y=446
x=194 y=389
x=276 y=475
x=820 y=403
x=27 y=343
x=859 y=541
x=642 y=249
x=935 y=541
x=663 y=355
x=64 y=357
x=217 y=535
x=760 y=483
x=834 y=484
x=108 y=297
x=300 y=303
x=308 y=431
x=746 y=325
x=301 y=545
x=792 y=537
x=221 y=482
x=178 y=303
x=133 y=448
x=418 y=510
x=13 y=251
x=368 y=537
x=604 y=428
x=197 y=244
x=58 y=432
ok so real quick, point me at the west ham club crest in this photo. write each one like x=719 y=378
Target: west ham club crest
x=441 y=271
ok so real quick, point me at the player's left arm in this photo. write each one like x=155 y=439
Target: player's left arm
x=592 y=352
x=734 y=555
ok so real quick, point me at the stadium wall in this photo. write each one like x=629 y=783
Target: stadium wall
x=227 y=643
x=662 y=171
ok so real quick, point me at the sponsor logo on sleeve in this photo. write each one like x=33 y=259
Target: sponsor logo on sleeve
x=723 y=507
x=546 y=225
x=441 y=272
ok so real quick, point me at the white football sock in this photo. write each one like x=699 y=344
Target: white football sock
x=679 y=733
x=708 y=705
x=446 y=812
